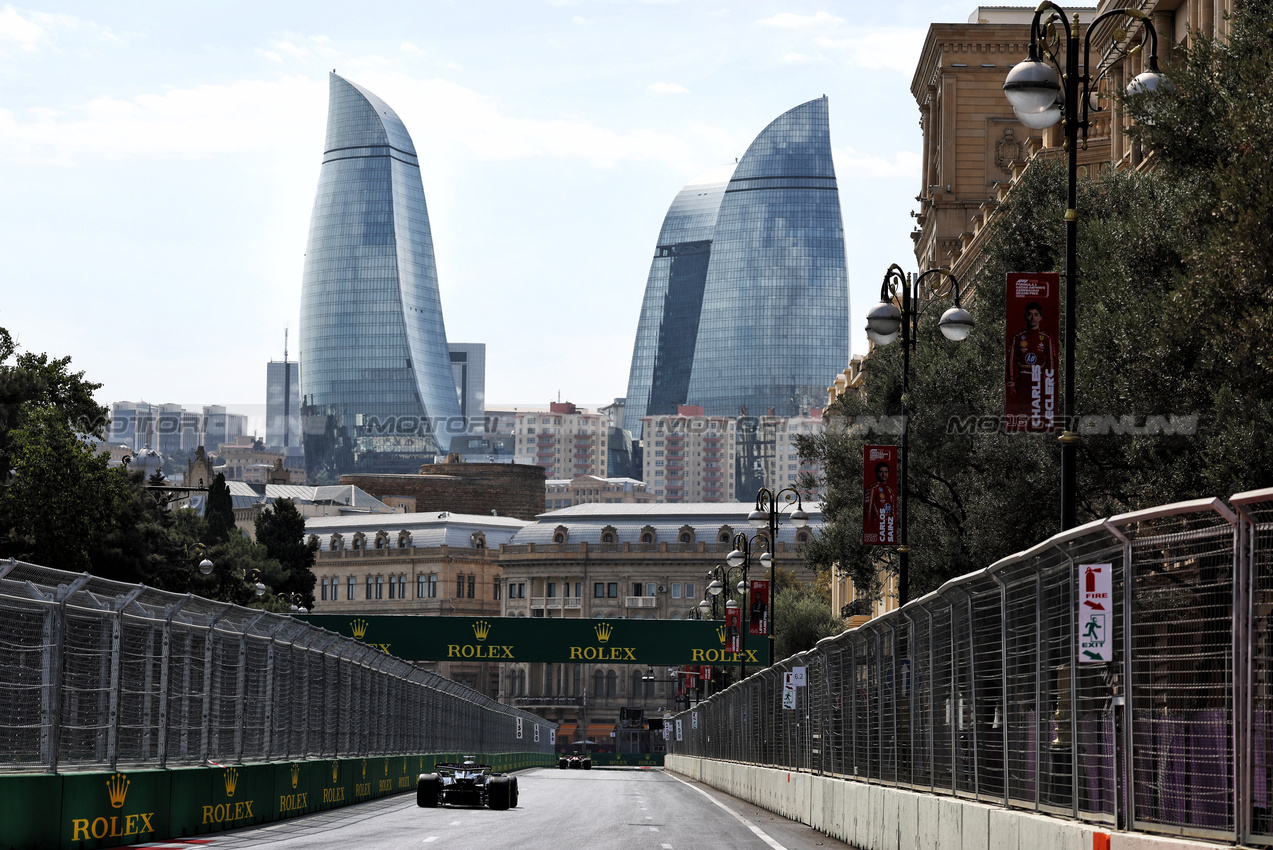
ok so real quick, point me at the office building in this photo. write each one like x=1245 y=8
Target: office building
x=282 y=404
x=747 y=307
x=468 y=368
x=377 y=390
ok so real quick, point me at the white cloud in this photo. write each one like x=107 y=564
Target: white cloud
x=16 y=29
x=895 y=48
x=789 y=20
x=289 y=114
x=270 y=55
x=408 y=47
x=800 y=58
x=850 y=164
x=668 y=88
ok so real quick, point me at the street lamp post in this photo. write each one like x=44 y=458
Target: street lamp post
x=765 y=517
x=1040 y=98
x=883 y=324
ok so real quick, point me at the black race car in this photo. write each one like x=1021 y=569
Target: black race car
x=575 y=761
x=466 y=784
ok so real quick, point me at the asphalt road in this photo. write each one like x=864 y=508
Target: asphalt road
x=557 y=810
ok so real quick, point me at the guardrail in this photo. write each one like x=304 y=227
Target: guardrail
x=982 y=689
x=96 y=674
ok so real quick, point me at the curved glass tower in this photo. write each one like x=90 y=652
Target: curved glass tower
x=377 y=390
x=668 y=327
x=767 y=323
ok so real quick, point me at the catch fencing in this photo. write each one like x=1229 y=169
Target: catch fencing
x=95 y=673
x=982 y=689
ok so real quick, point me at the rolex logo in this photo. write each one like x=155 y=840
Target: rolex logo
x=296 y=774
x=720 y=633
x=231 y=777
x=359 y=627
x=117 y=788
x=604 y=630
x=336 y=770
x=481 y=629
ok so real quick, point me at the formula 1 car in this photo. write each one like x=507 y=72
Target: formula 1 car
x=466 y=784
x=575 y=761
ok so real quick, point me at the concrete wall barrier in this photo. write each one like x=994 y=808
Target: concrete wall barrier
x=110 y=809
x=880 y=817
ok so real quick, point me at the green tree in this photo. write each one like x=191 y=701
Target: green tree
x=1175 y=309
x=220 y=511
x=802 y=617
x=281 y=530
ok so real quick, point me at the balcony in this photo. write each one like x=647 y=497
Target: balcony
x=550 y=602
x=640 y=602
x=573 y=602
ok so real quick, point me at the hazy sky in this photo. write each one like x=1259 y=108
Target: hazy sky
x=158 y=163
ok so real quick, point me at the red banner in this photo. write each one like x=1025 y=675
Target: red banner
x=733 y=628
x=1034 y=306
x=879 y=502
x=706 y=674
x=758 y=622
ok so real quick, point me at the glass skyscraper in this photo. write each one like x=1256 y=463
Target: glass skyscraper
x=747 y=302
x=377 y=392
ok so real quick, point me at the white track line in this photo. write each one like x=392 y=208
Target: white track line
x=760 y=833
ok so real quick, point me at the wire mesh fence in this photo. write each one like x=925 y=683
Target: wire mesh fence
x=1021 y=684
x=95 y=673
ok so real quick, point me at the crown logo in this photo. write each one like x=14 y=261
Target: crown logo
x=231 y=778
x=117 y=788
x=481 y=629
x=335 y=770
x=296 y=774
x=720 y=633
x=359 y=627
x=604 y=630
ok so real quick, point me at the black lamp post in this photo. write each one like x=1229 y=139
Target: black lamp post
x=883 y=324
x=1043 y=92
x=765 y=517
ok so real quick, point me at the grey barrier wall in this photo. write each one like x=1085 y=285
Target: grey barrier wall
x=979 y=690
x=98 y=674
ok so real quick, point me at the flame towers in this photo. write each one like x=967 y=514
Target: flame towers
x=377 y=391
x=747 y=302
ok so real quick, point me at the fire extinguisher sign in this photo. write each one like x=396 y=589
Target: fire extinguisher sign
x=1096 y=613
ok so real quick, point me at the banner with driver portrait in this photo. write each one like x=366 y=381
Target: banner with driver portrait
x=1033 y=344
x=879 y=501
x=758 y=622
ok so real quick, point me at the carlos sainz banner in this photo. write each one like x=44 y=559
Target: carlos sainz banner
x=1030 y=399
x=879 y=500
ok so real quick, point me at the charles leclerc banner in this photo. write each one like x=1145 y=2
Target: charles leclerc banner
x=733 y=628
x=879 y=501
x=758 y=623
x=1034 y=306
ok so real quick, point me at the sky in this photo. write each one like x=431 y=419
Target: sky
x=158 y=163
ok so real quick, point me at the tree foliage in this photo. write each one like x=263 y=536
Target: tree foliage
x=1175 y=310
x=281 y=530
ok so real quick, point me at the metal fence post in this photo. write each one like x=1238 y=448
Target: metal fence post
x=165 y=665
x=1038 y=685
x=1003 y=676
x=116 y=662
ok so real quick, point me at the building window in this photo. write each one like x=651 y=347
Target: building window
x=612 y=590
x=433 y=587
x=350 y=588
x=598 y=682
x=577 y=680
x=552 y=590
x=579 y=589
x=598 y=589
x=636 y=588
x=612 y=682
x=421 y=587
x=472 y=586
x=686 y=537
x=650 y=588
x=521 y=590
x=393 y=587
x=676 y=590
x=607 y=539
x=495 y=589
x=689 y=590
x=380 y=587
x=370 y=582
x=324 y=597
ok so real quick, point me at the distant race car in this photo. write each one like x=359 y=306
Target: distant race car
x=466 y=784
x=575 y=761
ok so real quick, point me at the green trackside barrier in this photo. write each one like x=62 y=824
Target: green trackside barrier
x=110 y=809
x=627 y=759
x=30 y=810
x=84 y=811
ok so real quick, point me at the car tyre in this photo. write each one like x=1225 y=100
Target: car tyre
x=498 y=793
x=587 y=764
x=563 y=763
x=512 y=797
x=428 y=788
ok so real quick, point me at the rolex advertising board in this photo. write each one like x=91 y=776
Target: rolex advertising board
x=661 y=642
